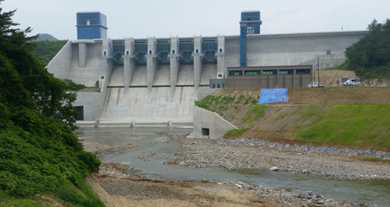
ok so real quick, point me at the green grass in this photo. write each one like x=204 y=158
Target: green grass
x=235 y=133
x=230 y=107
x=67 y=194
x=350 y=125
x=221 y=103
x=254 y=113
x=23 y=203
x=78 y=196
x=216 y=103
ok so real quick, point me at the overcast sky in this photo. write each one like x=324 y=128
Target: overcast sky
x=147 y=18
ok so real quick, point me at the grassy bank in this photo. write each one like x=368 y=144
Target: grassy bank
x=363 y=125
x=243 y=108
x=66 y=195
x=358 y=117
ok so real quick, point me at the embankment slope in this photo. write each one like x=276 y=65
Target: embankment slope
x=352 y=117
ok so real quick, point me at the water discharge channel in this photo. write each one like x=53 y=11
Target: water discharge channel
x=153 y=148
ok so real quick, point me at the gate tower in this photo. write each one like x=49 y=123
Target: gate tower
x=250 y=24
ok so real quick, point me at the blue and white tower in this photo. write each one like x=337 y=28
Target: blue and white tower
x=250 y=24
x=91 y=25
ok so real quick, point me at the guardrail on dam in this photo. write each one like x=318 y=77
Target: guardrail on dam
x=158 y=80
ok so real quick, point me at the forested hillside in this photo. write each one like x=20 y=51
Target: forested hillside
x=370 y=57
x=46 y=50
x=40 y=156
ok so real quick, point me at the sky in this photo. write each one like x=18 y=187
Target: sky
x=158 y=18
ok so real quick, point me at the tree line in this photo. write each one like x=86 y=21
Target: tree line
x=370 y=57
x=39 y=152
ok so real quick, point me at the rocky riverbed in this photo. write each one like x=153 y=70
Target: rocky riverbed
x=118 y=188
x=162 y=168
x=251 y=154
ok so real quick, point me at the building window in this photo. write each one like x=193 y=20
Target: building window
x=267 y=72
x=252 y=73
x=303 y=72
x=173 y=51
x=329 y=52
x=88 y=22
x=285 y=72
x=251 y=30
x=235 y=73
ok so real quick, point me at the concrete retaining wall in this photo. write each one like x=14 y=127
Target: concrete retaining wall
x=93 y=103
x=60 y=64
x=204 y=119
x=293 y=49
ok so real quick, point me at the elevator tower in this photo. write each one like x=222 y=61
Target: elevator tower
x=91 y=25
x=249 y=25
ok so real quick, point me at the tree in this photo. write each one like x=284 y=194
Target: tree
x=370 y=57
x=39 y=153
x=33 y=85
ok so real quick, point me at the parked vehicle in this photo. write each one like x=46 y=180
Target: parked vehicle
x=352 y=82
x=315 y=85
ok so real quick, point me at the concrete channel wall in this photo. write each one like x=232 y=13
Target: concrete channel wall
x=209 y=124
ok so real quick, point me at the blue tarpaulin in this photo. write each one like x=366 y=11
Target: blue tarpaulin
x=273 y=96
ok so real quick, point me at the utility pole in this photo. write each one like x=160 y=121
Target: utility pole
x=318 y=68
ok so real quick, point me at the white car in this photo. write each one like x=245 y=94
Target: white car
x=352 y=82
x=315 y=85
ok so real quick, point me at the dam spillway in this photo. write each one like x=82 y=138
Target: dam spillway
x=159 y=104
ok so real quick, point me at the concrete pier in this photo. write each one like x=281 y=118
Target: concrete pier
x=106 y=49
x=128 y=63
x=197 y=61
x=174 y=64
x=82 y=54
x=221 y=57
x=151 y=61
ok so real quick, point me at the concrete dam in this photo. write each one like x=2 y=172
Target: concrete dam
x=156 y=81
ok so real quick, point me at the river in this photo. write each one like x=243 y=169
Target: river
x=154 y=147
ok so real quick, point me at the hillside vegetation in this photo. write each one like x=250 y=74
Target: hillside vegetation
x=42 y=162
x=352 y=117
x=46 y=50
x=370 y=57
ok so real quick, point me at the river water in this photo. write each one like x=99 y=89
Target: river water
x=153 y=147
